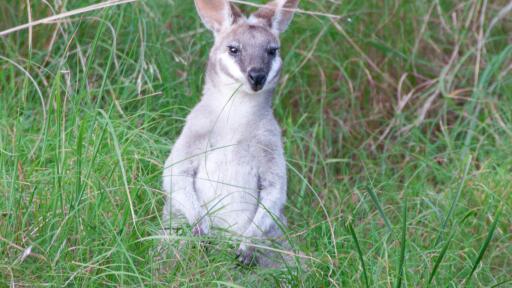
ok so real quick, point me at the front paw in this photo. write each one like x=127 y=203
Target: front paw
x=201 y=229
x=245 y=254
x=198 y=231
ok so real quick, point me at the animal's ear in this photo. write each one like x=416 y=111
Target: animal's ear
x=217 y=14
x=277 y=14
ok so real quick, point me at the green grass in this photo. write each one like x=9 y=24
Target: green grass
x=397 y=121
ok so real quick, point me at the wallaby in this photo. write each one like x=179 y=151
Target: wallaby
x=227 y=170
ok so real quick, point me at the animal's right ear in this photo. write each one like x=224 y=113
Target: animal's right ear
x=277 y=14
x=217 y=14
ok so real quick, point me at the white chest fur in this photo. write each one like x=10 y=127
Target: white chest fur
x=227 y=184
x=227 y=178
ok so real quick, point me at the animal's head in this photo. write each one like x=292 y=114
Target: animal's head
x=246 y=49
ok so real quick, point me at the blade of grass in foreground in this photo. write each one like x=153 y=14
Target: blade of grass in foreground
x=117 y=149
x=502 y=283
x=226 y=284
x=445 y=248
x=359 y=252
x=440 y=258
x=375 y=200
x=454 y=202
x=478 y=259
x=402 y=248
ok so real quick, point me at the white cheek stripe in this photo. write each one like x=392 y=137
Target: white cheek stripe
x=274 y=69
x=231 y=66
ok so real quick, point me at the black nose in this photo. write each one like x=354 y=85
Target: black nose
x=257 y=78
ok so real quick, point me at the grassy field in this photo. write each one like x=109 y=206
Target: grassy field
x=397 y=119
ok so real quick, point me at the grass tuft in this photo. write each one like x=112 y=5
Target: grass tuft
x=392 y=112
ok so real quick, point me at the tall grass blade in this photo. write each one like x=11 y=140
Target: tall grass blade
x=376 y=201
x=485 y=245
x=454 y=202
x=78 y=175
x=440 y=258
x=359 y=252
x=502 y=283
x=121 y=167
x=402 y=246
x=446 y=245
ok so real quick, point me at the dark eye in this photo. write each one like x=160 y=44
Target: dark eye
x=233 y=50
x=272 y=51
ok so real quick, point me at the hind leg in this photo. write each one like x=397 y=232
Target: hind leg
x=276 y=246
x=271 y=250
x=278 y=253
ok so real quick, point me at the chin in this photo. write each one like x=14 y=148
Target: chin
x=248 y=89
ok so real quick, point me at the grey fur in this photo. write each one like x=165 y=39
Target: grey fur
x=227 y=168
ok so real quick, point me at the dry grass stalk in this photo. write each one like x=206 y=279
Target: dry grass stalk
x=51 y=19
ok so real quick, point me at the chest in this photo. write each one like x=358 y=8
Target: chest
x=227 y=185
x=228 y=167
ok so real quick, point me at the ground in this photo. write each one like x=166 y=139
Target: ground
x=397 y=126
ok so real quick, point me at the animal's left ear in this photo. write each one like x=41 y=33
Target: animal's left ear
x=277 y=14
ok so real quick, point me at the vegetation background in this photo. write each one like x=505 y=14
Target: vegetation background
x=397 y=120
